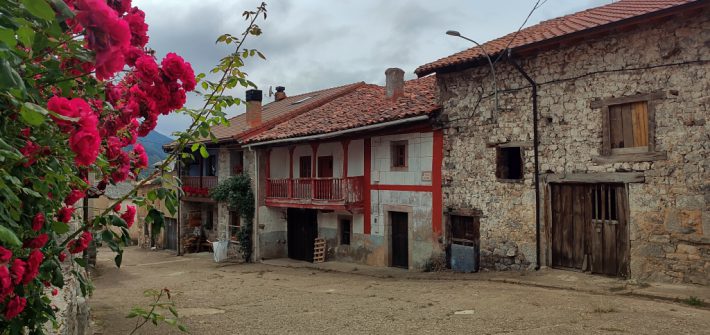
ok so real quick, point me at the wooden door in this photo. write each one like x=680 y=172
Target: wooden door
x=589 y=229
x=400 y=239
x=170 y=236
x=302 y=230
x=324 y=188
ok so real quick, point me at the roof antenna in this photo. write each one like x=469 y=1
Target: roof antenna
x=271 y=91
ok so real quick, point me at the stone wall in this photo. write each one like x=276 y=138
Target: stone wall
x=669 y=212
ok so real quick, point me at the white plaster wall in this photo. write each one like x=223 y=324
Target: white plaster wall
x=419 y=155
x=273 y=219
x=356 y=158
x=279 y=163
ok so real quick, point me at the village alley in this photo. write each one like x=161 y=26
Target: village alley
x=263 y=299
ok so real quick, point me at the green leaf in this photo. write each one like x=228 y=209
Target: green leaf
x=182 y=328
x=60 y=227
x=9 y=78
x=8 y=237
x=33 y=114
x=203 y=152
x=173 y=311
x=194 y=147
x=7 y=36
x=80 y=261
x=26 y=35
x=118 y=259
x=39 y=8
x=64 y=11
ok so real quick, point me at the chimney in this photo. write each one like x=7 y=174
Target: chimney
x=394 y=82
x=253 y=108
x=280 y=94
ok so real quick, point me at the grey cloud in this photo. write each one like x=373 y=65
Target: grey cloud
x=315 y=44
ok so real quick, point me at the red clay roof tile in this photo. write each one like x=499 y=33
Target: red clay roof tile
x=363 y=106
x=558 y=27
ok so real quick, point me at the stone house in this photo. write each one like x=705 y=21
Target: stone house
x=167 y=238
x=619 y=142
x=200 y=213
x=361 y=171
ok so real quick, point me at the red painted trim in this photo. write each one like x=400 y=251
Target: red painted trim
x=366 y=187
x=437 y=194
x=314 y=147
x=404 y=188
x=296 y=204
x=267 y=173
x=346 y=144
x=290 y=170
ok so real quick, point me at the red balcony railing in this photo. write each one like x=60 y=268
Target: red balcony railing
x=198 y=185
x=346 y=190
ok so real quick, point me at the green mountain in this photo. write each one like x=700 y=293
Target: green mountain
x=153 y=144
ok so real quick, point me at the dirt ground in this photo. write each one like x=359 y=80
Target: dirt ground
x=262 y=299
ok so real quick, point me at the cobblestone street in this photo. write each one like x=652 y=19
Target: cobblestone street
x=266 y=299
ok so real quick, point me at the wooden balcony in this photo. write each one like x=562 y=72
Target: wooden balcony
x=198 y=186
x=318 y=193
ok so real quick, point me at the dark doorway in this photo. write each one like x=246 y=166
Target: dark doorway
x=464 y=237
x=400 y=239
x=302 y=232
x=590 y=228
x=170 y=242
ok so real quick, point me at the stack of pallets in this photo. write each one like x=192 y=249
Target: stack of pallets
x=319 y=250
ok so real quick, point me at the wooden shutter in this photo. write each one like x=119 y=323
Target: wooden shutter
x=628 y=125
x=639 y=120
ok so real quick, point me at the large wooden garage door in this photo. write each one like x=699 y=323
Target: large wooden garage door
x=589 y=228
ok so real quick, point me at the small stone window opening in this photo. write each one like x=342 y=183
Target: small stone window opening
x=604 y=205
x=234 y=226
x=345 y=231
x=509 y=163
x=399 y=154
x=304 y=167
x=628 y=127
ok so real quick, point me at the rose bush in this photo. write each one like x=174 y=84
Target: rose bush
x=78 y=87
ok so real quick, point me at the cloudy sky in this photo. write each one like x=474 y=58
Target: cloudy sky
x=315 y=44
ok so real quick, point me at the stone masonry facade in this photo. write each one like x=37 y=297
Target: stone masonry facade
x=669 y=211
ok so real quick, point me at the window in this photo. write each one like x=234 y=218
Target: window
x=604 y=206
x=464 y=230
x=509 y=163
x=234 y=225
x=304 y=167
x=211 y=165
x=209 y=218
x=399 y=154
x=237 y=160
x=628 y=126
x=345 y=231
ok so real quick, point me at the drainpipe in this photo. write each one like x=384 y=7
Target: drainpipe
x=178 y=170
x=536 y=143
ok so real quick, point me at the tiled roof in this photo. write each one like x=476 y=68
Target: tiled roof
x=561 y=27
x=276 y=111
x=365 y=105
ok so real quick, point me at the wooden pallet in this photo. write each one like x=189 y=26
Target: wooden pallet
x=319 y=250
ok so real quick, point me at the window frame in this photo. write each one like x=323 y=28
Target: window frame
x=301 y=160
x=499 y=150
x=341 y=220
x=631 y=154
x=394 y=154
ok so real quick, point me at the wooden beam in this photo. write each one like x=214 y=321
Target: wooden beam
x=602 y=177
x=632 y=157
x=599 y=103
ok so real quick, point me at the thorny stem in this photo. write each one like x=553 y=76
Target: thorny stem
x=183 y=141
x=145 y=320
